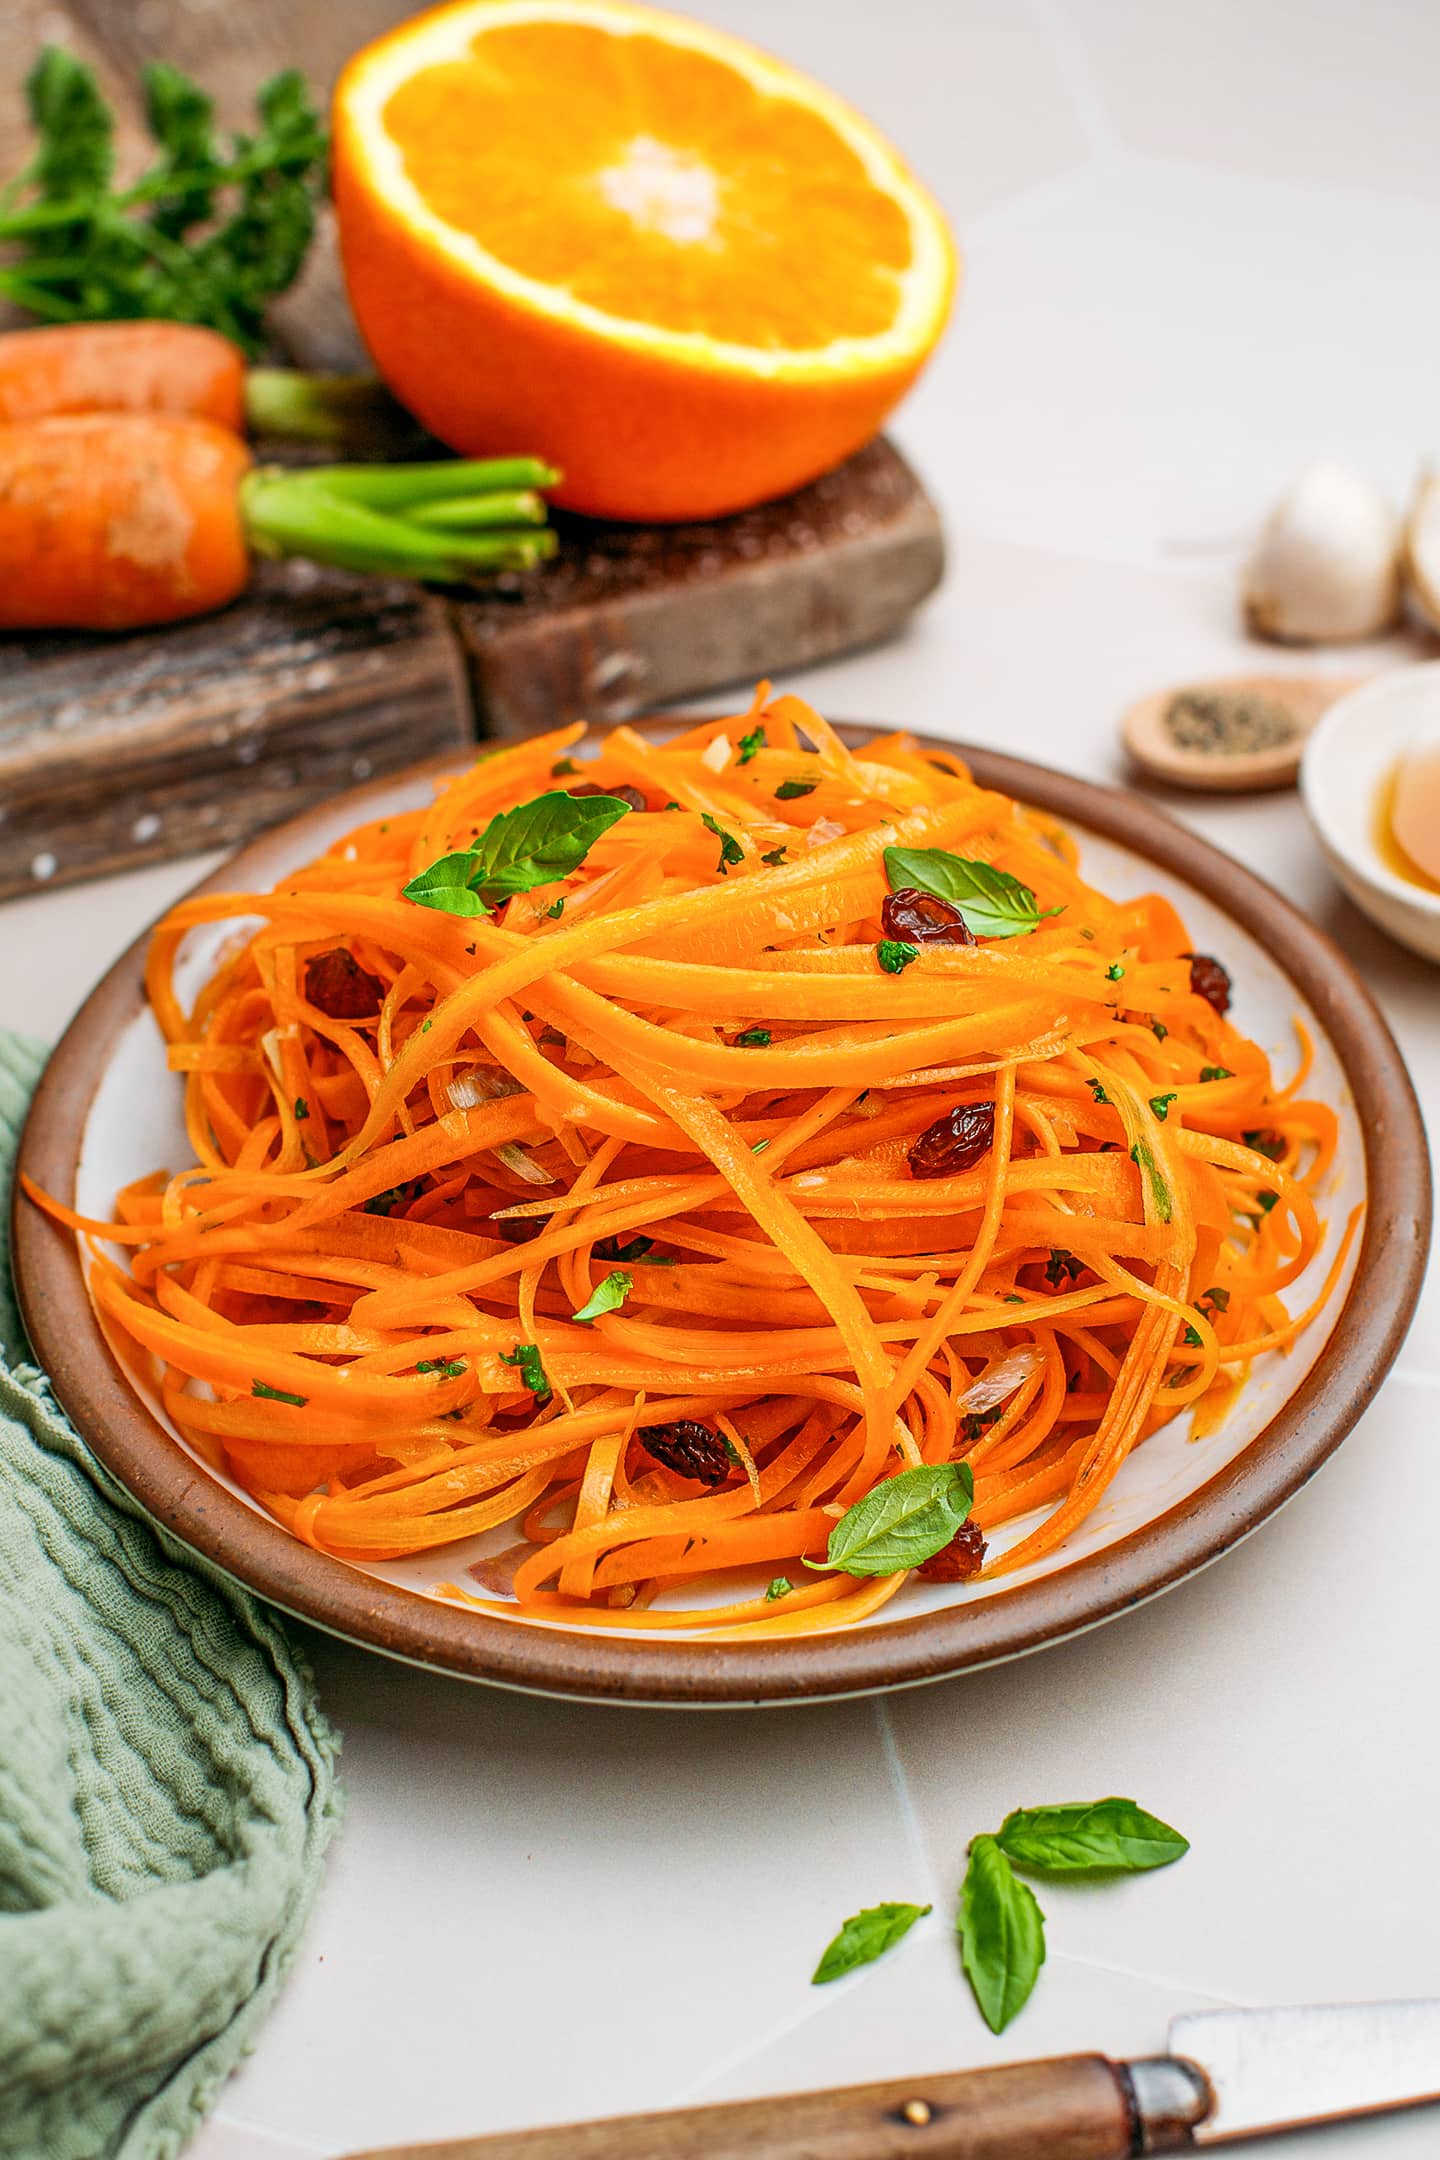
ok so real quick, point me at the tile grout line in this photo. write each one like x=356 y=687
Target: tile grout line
x=905 y=1800
x=920 y=1857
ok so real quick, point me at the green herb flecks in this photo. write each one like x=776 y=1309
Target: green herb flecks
x=277 y=1394
x=532 y=1372
x=750 y=745
x=607 y=1296
x=1161 y=1199
x=731 y=851
x=895 y=956
x=792 y=790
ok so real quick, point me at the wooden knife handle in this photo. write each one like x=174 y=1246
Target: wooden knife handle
x=1073 y=2107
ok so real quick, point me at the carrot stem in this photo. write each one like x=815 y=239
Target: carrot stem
x=301 y=513
x=349 y=413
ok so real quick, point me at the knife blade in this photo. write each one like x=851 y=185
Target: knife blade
x=1289 y=2068
x=1230 y=2075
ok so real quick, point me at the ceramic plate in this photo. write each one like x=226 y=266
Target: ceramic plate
x=108 y=1111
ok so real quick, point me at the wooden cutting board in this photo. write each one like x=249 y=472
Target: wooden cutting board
x=121 y=751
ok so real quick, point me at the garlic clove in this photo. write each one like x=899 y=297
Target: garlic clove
x=1326 y=567
x=1422 y=550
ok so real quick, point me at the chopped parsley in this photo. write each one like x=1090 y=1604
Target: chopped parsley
x=751 y=743
x=756 y=1038
x=731 y=851
x=277 y=1394
x=526 y=1356
x=894 y=956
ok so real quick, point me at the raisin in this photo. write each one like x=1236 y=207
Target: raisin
x=921 y=918
x=630 y=795
x=1210 y=981
x=695 y=1450
x=341 y=988
x=955 y=1142
x=963 y=1557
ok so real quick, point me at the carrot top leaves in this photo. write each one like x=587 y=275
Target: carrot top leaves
x=209 y=234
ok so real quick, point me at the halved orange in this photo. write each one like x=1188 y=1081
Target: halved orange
x=684 y=272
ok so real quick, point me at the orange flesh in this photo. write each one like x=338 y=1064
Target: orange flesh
x=655 y=184
x=824 y=1307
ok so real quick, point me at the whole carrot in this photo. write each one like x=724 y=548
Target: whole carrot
x=120 y=521
x=143 y=367
x=172 y=367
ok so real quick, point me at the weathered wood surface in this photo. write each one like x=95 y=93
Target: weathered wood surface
x=121 y=751
x=118 y=751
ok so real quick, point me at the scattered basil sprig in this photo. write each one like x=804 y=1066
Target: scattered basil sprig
x=994 y=904
x=998 y=1920
x=902 y=1521
x=1002 y=1935
x=1089 y=1836
x=519 y=849
x=607 y=1296
x=864 y=1937
x=1000 y=1924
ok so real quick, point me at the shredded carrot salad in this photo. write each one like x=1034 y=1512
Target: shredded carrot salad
x=664 y=1224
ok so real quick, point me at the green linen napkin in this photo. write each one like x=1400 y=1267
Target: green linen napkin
x=167 y=1789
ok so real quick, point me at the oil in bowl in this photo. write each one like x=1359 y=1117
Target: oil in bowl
x=1407 y=816
x=1370 y=783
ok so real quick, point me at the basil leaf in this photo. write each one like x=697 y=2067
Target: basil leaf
x=519 y=849
x=277 y=1394
x=993 y=903
x=864 y=1937
x=906 y=1519
x=1088 y=1835
x=895 y=956
x=1002 y=1935
x=607 y=1296
x=445 y=886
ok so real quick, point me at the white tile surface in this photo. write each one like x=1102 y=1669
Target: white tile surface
x=1201 y=248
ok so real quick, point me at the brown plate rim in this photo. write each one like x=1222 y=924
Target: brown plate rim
x=177 y=1492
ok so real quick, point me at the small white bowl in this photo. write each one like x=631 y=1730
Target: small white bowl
x=1354 y=749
